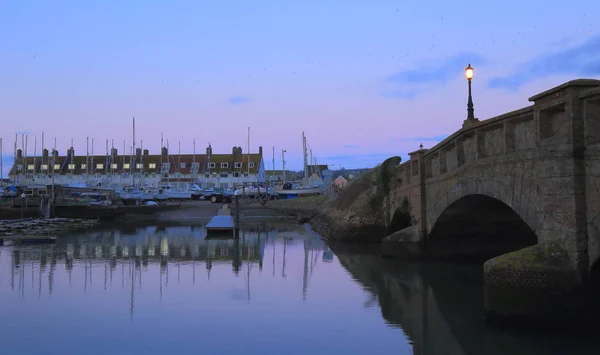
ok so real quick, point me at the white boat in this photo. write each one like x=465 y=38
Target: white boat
x=295 y=190
x=174 y=194
x=253 y=191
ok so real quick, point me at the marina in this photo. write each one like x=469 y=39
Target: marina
x=114 y=185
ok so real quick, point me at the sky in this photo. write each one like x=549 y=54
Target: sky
x=365 y=80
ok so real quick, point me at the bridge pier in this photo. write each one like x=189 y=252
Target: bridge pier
x=535 y=285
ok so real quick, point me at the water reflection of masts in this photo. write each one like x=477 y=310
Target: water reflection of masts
x=284 y=250
x=305 y=273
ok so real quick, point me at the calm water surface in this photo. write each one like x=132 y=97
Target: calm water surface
x=153 y=290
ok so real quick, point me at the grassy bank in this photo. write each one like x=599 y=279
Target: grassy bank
x=356 y=214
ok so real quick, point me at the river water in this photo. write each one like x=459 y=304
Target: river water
x=157 y=290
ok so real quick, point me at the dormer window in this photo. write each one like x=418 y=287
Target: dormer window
x=30 y=167
x=71 y=166
x=44 y=166
x=252 y=164
x=152 y=165
x=195 y=167
x=211 y=165
x=83 y=166
x=126 y=166
x=99 y=166
x=56 y=166
x=224 y=165
x=181 y=165
x=114 y=166
x=237 y=165
x=139 y=166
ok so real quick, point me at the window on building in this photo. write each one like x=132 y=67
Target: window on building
x=237 y=165
x=245 y=174
x=19 y=167
x=166 y=166
x=152 y=165
x=236 y=174
x=71 y=166
x=44 y=166
x=224 y=165
x=126 y=166
x=252 y=164
x=30 y=167
x=195 y=167
x=139 y=166
x=99 y=166
x=83 y=166
x=181 y=165
x=56 y=166
x=177 y=175
x=224 y=175
x=206 y=175
x=114 y=166
x=211 y=165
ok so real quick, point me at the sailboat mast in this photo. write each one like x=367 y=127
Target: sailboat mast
x=248 y=151
x=194 y=152
x=53 y=171
x=34 y=153
x=142 y=163
x=305 y=157
x=132 y=155
x=25 y=165
x=87 y=158
x=106 y=166
x=46 y=172
x=1 y=161
x=168 y=164
x=15 y=159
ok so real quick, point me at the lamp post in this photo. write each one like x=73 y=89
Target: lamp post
x=469 y=72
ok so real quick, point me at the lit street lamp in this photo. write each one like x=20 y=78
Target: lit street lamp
x=469 y=73
x=470 y=110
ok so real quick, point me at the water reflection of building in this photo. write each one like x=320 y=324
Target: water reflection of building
x=125 y=256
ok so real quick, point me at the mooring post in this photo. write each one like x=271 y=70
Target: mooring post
x=237 y=216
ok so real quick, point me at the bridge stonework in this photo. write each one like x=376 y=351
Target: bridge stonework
x=543 y=161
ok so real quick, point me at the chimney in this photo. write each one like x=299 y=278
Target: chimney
x=44 y=153
x=114 y=152
x=70 y=152
x=260 y=150
x=234 y=151
x=19 y=154
x=209 y=150
x=138 y=152
x=164 y=153
x=55 y=153
x=146 y=152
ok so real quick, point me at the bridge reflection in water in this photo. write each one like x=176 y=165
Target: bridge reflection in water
x=439 y=307
x=124 y=258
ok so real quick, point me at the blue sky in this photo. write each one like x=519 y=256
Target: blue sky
x=364 y=80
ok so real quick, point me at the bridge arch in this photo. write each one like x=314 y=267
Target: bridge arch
x=470 y=224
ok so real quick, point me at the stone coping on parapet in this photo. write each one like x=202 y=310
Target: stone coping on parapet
x=478 y=125
x=590 y=93
x=572 y=83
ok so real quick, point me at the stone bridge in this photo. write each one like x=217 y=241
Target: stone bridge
x=521 y=188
